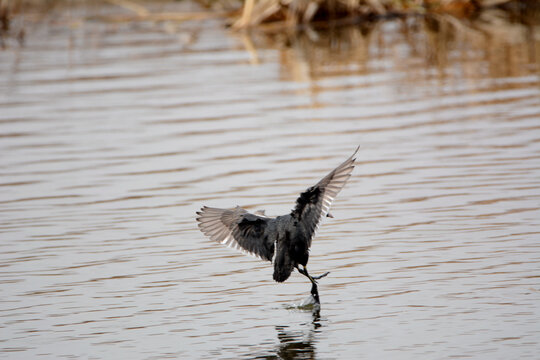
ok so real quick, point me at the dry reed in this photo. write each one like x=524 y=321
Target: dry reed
x=292 y=13
x=278 y=15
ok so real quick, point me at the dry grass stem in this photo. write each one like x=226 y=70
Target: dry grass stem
x=294 y=12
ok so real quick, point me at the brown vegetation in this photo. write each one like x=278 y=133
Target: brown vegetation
x=294 y=12
x=273 y=15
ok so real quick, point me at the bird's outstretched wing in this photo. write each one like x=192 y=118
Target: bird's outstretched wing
x=314 y=203
x=238 y=229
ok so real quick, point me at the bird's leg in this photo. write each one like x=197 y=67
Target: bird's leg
x=313 y=279
x=314 y=287
x=305 y=273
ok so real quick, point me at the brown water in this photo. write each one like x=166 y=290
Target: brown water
x=114 y=134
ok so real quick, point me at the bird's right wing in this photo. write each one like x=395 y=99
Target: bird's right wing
x=238 y=229
x=314 y=203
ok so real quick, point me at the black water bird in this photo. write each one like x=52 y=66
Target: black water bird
x=286 y=239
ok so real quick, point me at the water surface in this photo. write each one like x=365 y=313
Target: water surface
x=114 y=134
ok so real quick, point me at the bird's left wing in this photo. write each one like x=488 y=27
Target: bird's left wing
x=238 y=229
x=314 y=203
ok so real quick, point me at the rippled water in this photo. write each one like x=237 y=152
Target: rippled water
x=114 y=134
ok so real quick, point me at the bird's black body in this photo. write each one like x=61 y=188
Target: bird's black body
x=292 y=247
x=286 y=239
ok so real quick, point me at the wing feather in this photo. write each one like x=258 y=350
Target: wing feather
x=314 y=203
x=238 y=229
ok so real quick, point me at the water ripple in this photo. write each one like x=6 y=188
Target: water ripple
x=113 y=135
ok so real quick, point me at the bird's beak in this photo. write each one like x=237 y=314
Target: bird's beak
x=329 y=215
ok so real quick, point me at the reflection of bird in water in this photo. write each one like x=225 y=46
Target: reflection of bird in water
x=284 y=239
x=296 y=344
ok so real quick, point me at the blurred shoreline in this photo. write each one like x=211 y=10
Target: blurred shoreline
x=17 y=17
x=499 y=42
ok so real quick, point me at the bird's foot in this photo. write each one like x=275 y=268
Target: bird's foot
x=315 y=293
x=320 y=276
x=313 y=279
x=315 y=288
